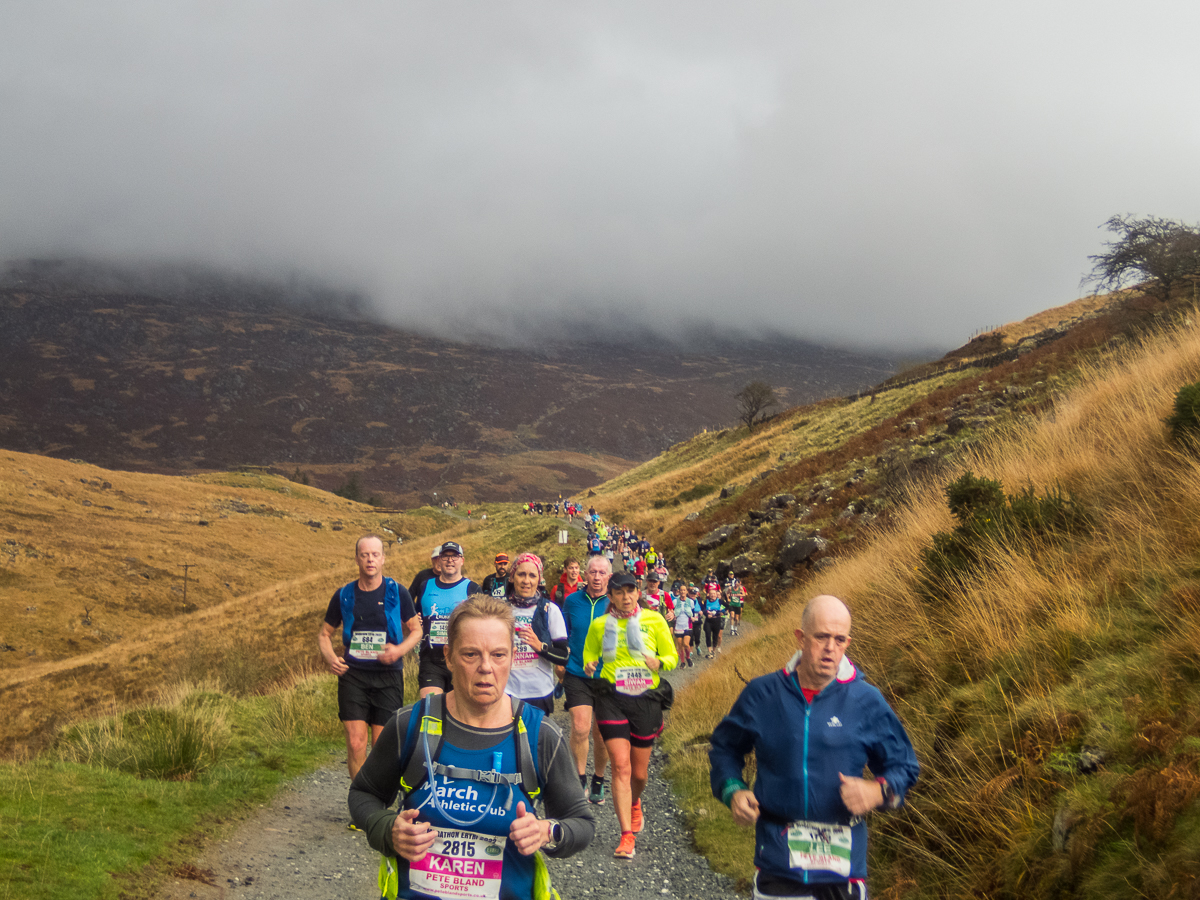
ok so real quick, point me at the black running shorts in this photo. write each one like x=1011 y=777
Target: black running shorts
x=638 y=720
x=579 y=691
x=370 y=696
x=433 y=673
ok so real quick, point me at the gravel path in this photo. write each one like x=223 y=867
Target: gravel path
x=299 y=848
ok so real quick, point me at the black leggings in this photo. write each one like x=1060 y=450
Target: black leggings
x=712 y=630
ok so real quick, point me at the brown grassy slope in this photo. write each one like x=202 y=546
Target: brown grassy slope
x=1050 y=650
x=876 y=442
x=91 y=589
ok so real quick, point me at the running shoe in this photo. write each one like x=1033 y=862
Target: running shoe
x=625 y=848
x=597 y=793
x=636 y=820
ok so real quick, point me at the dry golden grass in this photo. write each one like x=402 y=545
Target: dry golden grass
x=1040 y=650
x=735 y=456
x=91 y=592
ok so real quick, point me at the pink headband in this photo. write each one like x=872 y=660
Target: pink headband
x=529 y=558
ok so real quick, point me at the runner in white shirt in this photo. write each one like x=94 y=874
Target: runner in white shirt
x=541 y=636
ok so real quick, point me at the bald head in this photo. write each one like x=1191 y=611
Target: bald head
x=823 y=636
x=820 y=606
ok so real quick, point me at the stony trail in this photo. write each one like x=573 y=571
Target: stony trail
x=299 y=848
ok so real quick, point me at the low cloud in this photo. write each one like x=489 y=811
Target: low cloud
x=866 y=173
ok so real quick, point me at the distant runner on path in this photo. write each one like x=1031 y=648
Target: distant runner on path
x=379 y=625
x=813 y=726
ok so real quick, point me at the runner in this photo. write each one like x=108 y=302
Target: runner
x=569 y=582
x=714 y=618
x=379 y=625
x=737 y=599
x=497 y=584
x=471 y=834
x=635 y=646
x=684 y=610
x=541 y=642
x=437 y=600
x=813 y=726
x=581 y=609
x=697 y=616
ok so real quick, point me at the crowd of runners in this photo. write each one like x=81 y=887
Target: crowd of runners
x=472 y=760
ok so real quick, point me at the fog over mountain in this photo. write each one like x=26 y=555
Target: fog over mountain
x=866 y=174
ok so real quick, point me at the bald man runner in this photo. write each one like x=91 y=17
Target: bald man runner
x=813 y=726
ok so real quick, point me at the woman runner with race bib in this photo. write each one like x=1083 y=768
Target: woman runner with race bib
x=635 y=646
x=468 y=765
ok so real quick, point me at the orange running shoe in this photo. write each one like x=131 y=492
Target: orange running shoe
x=625 y=848
x=637 y=821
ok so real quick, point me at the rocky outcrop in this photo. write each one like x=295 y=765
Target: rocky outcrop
x=798 y=547
x=715 y=538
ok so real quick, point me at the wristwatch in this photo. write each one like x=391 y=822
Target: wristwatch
x=556 y=835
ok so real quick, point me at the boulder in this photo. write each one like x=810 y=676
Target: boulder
x=715 y=538
x=747 y=564
x=782 y=501
x=797 y=547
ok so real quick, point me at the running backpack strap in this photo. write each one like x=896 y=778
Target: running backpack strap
x=526 y=764
x=426 y=719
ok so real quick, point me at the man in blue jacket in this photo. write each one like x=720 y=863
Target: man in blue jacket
x=579 y=610
x=813 y=726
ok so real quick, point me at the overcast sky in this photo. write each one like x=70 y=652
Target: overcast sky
x=896 y=174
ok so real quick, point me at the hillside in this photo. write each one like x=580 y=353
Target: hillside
x=775 y=504
x=211 y=373
x=1044 y=651
x=92 y=606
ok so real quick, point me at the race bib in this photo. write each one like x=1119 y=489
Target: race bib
x=819 y=845
x=634 y=680
x=439 y=629
x=462 y=865
x=367 y=644
x=524 y=656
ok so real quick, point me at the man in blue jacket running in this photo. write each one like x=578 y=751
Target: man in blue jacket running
x=813 y=726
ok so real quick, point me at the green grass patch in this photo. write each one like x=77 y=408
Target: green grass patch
x=119 y=794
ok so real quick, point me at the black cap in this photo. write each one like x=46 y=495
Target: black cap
x=451 y=547
x=622 y=579
x=650 y=576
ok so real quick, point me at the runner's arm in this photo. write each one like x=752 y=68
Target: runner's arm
x=376 y=785
x=563 y=796
x=337 y=665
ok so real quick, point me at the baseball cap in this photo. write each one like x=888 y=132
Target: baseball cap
x=501 y=557
x=622 y=579
x=437 y=551
x=451 y=548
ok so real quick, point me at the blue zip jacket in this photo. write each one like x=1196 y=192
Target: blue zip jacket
x=800 y=749
x=579 y=610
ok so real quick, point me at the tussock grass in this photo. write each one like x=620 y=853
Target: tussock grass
x=130 y=794
x=1045 y=653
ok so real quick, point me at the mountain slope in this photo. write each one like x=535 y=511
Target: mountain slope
x=215 y=375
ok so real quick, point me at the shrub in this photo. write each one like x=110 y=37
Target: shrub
x=1184 y=423
x=986 y=516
